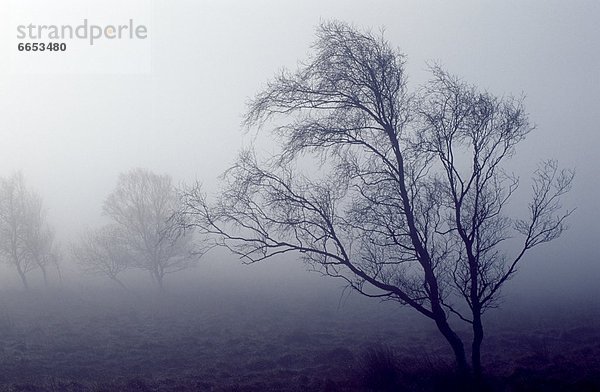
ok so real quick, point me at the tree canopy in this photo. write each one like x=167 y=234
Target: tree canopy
x=410 y=200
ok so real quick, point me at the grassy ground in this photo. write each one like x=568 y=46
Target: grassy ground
x=197 y=341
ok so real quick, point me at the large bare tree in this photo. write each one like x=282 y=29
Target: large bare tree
x=468 y=134
x=141 y=207
x=407 y=200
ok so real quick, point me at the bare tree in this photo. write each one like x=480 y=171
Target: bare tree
x=469 y=134
x=26 y=240
x=408 y=200
x=141 y=206
x=40 y=238
x=14 y=205
x=103 y=252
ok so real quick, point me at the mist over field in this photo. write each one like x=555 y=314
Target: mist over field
x=205 y=320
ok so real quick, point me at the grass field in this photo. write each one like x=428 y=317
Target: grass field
x=104 y=340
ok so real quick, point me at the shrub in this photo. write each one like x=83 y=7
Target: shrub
x=378 y=369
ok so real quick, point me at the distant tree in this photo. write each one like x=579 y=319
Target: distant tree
x=141 y=206
x=26 y=240
x=40 y=239
x=407 y=201
x=104 y=251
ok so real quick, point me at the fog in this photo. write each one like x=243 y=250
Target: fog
x=72 y=134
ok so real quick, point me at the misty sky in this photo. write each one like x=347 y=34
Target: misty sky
x=72 y=135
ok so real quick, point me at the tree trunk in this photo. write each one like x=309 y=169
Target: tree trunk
x=44 y=274
x=159 y=279
x=23 y=277
x=59 y=273
x=476 y=346
x=121 y=284
x=456 y=344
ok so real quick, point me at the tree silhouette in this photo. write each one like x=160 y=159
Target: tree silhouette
x=141 y=207
x=40 y=245
x=407 y=200
x=104 y=251
x=26 y=239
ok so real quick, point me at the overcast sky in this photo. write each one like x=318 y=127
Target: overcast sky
x=71 y=135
